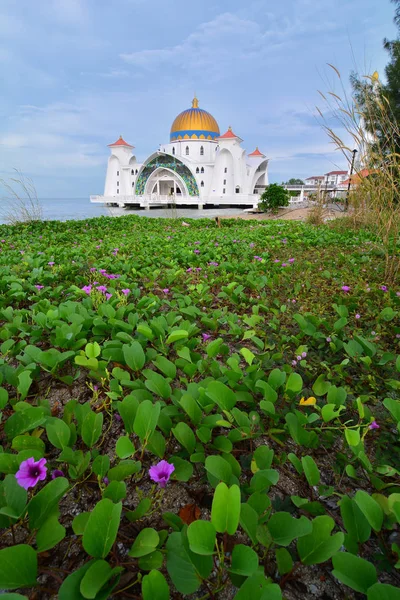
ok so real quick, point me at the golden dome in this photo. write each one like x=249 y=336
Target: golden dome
x=194 y=124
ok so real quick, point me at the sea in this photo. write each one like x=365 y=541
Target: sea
x=66 y=209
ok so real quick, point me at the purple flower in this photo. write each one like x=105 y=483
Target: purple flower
x=328 y=339
x=398 y=335
x=257 y=258
x=87 y=289
x=284 y=265
x=252 y=245
x=277 y=260
x=117 y=417
x=198 y=268
x=126 y=292
x=57 y=473
x=189 y=270
x=291 y=260
x=294 y=363
x=374 y=425
x=358 y=316
x=106 y=480
x=51 y=263
x=196 y=251
x=213 y=264
x=197 y=242
x=384 y=288
x=102 y=288
x=161 y=473
x=166 y=290
x=298 y=357
x=373 y=332
x=30 y=472
x=398 y=294
x=345 y=288
x=205 y=336
x=39 y=287
x=93 y=269
x=108 y=296
x=304 y=354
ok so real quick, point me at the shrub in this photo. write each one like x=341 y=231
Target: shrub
x=274 y=197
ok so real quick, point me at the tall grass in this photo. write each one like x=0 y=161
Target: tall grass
x=371 y=128
x=19 y=203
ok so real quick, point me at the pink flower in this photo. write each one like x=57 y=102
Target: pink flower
x=284 y=265
x=189 y=270
x=39 y=287
x=102 y=288
x=345 y=288
x=57 y=473
x=205 y=336
x=51 y=263
x=304 y=354
x=384 y=288
x=161 y=473
x=358 y=316
x=93 y=269
x=291 y=260
x=328 y=339
x=126 y=292
x=87 y=289
x=374 y=425
x=30 y=472
x=166 y=290
x=257 y=258
x=108 y=296
x=196 y=251
x=277 y=260
x=294 y=363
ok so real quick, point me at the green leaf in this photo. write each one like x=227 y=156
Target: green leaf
x=154 y=560
x=218 y=468
x=95 y=578
x=276 y=378
x=284 y=528
x=134 y=356
x=340 y=323
x=354 y=520
x=18 y=567
x=50 y=534
x=28 y=442
x=383 y=591
x=185 y=436
x=311 y=470
x=146 y=419
x=157 y=384
x=175 y=336
x=223 y=396
x=155 y=586
x=101 y=465
x=319 y=546
x=257 y=587
x=201 y=537
x=92 y=350
x=44 y=501
x=24 y=383
x=249 y=521
x=183 y=469
x=13 y=497
x=102 y=527
x=352 y=436
x=294 y=384
x=180 y=568
x=284 y=561
x=124 y=447
x=24 y=420
x=141 y=509
x=321 y=386
x=225 y=510
x=79 y=523
x=388 y=314
x=166 y=366
x=355 y=572
x=370 y=509
x=91 y=428
x=244 y=561
x=57 y=432
x=145 y=543
x=247 y=355
x=115 y=491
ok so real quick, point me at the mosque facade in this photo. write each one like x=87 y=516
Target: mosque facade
x=197 y=167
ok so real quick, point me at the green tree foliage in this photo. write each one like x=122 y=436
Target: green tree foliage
x=274 y=197
x=295 y=181
x=371 y=95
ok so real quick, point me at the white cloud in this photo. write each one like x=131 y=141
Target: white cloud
x=71 y=12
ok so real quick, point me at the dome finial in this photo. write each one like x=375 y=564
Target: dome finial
x=195 y=102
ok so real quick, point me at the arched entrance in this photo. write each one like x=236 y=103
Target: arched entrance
x=164 y=184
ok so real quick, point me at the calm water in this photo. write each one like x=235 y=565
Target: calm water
x=64 y=209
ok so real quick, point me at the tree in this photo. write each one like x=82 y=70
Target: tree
x=274 y=197
x=294 y=181
x=371 y=95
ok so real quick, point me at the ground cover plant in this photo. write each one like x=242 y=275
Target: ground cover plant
x=198 y=411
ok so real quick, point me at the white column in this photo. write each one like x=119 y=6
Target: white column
x=302 y=194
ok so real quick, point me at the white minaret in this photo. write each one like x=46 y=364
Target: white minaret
x=119 y=171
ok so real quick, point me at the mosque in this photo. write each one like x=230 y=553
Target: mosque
x=198 y=167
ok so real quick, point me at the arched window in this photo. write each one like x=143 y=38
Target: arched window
x=133 y=184
x=132 y=172
x=173 y=151
x=237 y=189
x=202 y=184
x=202 y=169
x=187 y=150
x=136 y=172
x=197 y=170
x=201 y=150
x=225 y=170
x=223 y=191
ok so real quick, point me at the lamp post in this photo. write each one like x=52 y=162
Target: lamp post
x=346 y=206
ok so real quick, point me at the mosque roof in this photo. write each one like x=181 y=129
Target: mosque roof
x=121 y=142
x=257 y=153
x=228 y=134
x=194 y=124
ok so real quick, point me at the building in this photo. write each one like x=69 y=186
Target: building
x=335 y=177
x=197 y=167
x=315 y=180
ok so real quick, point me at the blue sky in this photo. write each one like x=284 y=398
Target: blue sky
x=78 y=73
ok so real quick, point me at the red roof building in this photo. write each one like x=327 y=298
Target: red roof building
x=257 y=153
x=121 y=142
x=228 y=134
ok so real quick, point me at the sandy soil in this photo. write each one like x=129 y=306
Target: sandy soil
x=286 y=214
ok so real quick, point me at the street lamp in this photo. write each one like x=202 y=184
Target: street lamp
x=346 y=206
